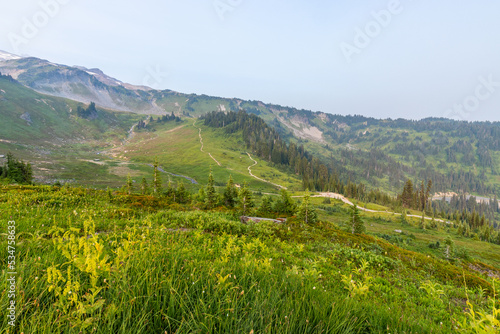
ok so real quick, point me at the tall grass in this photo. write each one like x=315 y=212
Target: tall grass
x=90 y=269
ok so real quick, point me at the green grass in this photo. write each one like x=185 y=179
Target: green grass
x=177 y=147
x=168 y=269
x=386 y=223
x=56 y=141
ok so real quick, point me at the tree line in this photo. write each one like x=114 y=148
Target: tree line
x=237 y=198
x=267 y=144
x=89 y=112
x=15 y=170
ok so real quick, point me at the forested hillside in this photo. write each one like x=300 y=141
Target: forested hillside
x=457 y=156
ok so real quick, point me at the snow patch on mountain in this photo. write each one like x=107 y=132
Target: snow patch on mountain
x=8 y=56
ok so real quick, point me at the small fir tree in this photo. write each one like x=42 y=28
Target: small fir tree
x=285 y=205
x=129 y=185
x=210 y=193
x=306 y=211
x=357 y=225
x=230 y=193
x=201 y=195
x=266 y=207
x=170 y=192
x=448 y=250
x=246 y=200
x=157 y=183
x=422 y=221
x=182 y=194
x=144 y=186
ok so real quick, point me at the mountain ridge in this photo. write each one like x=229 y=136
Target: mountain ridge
x=381 y=152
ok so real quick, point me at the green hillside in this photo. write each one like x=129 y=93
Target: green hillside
x=165 y=250
x=98 y=262
x=458 y=157
x=48 y=132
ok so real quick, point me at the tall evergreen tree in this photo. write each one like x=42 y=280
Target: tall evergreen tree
x=210 y=193
x=357 y=225
x=422 y=221
x=306 y=211
x=266 y=207
x=201 y=195
x=170 y=192
x=182 y=194
x=246 y=200
x=17 y=171
x=428 y=191
x=129 y=185
x=144 y=186
x=230 y=193
x=285 y=204
x=407 y=195
x=157 y=183
x=448 y=250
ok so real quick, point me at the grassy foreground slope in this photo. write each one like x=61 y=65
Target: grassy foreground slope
x=93 y=261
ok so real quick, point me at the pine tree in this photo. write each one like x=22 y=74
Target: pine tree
x=422 y=221
x=201 y=195
x=357 y=225
x=182 y=193
x=306 y=211
x=170 y=192
x=246 y=201
x=210 y=193
x=28 y=174
x=17 y=171
x=407 y=195
x=129 y=184
x=144 y=186
x=433 y=221
x=230 y=193
x=422 y=196
x=157 y=183
x=285 y=205
x=428 y=191
x=266 y=207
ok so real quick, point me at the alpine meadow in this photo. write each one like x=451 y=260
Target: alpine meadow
x=133 y=208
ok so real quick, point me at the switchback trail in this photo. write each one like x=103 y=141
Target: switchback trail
x=201 y=142
x=258 y=178
x=348 y=202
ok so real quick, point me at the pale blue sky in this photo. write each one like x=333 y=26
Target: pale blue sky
x=420 y=59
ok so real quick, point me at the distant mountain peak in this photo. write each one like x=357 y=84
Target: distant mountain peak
x=8 y=56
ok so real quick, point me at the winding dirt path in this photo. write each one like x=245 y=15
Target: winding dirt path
x=348 y=202
x=201 y=142
x=131 y=132
x=258 y=178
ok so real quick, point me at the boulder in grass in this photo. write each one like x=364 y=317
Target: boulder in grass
x=247 y=220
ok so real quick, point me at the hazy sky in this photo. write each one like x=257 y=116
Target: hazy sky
x=409 y=59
